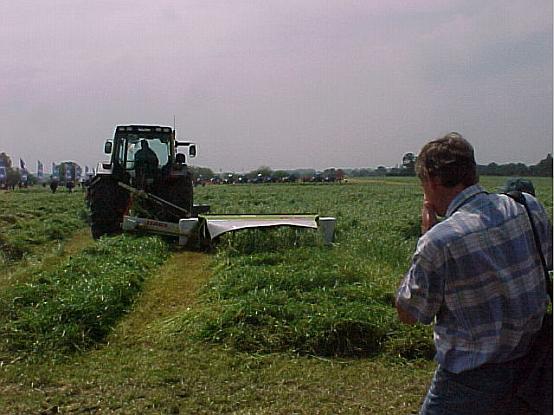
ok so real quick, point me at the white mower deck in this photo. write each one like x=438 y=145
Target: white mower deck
x=209 y=227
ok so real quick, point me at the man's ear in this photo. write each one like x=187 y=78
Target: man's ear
x=434 y=182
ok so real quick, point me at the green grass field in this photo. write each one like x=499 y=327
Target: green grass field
x=271 y=322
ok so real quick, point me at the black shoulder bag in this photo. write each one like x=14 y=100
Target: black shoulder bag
x=536 y=386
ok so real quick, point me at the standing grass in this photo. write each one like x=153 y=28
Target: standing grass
x=284 y=291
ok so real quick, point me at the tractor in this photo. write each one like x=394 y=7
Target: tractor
x=146 y=171
x=143 y=162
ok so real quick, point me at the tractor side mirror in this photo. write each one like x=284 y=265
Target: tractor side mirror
x=108 y=147
x=192 y=150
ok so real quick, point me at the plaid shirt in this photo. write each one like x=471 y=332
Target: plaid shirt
x=478 y=274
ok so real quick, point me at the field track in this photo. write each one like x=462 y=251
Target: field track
x=171 y=291
x=80 y=240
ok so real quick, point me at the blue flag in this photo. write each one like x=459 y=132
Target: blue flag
x=55 y=172
x=67 y=172
x=40 y=169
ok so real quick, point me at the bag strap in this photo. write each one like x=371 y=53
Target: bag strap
x=519 y=198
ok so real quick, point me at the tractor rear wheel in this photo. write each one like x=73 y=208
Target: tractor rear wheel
x=108 y=203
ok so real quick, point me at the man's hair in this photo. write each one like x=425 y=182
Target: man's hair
x=449 y=159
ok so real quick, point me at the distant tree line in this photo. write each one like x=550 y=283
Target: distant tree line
x=542 y=168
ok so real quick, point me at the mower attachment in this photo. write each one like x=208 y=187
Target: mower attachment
x=219 y=224
x=208 y=227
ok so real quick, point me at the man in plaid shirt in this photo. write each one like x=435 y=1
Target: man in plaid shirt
x=478 y=276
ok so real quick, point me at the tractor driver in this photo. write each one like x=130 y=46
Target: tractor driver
x=146 y=164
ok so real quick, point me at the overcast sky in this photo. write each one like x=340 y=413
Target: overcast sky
x=284 y=83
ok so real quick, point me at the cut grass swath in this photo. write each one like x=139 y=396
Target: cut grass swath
x=77 y=304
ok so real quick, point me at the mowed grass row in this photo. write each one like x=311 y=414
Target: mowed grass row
x=31 y=219
x=52 y=303
x=76 y=304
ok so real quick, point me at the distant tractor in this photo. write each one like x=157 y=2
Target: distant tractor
x=143 y=161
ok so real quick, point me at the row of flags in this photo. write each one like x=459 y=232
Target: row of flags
x=72 y=171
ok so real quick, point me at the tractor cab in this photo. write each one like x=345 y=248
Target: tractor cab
x=142 y=155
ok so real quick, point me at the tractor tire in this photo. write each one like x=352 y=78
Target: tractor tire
x=108 y=203
x=180 y=193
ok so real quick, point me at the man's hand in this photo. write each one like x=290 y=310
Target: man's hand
x=428 y=216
